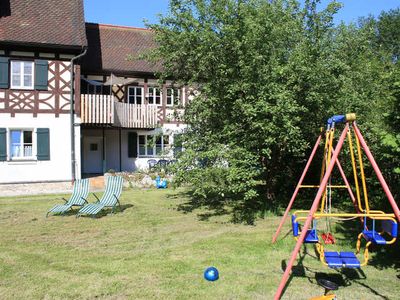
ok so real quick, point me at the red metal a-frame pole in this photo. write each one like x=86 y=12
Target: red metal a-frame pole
x=313 y=209
x=285 y=215
x=377 y=171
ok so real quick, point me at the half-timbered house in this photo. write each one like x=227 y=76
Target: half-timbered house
x=127 y=116
x=120 y=116
x=38 y=41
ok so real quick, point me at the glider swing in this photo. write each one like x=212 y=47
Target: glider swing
x=322 y=204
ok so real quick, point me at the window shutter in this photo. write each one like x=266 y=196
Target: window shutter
x=3 y=144
x=43 y=143
x=4 y=78
x=132 y=144
x=41 y=75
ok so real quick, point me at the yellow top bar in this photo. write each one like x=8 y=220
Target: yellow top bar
x=372 y=216
x=350 y=117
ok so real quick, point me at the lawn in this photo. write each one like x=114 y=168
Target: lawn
x=154 y=250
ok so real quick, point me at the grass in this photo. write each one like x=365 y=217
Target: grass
x=152 y=250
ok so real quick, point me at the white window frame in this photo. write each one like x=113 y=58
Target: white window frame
x=163 y=146
x=172 y=97
x=152 y=97
x=135 y=96
x=33 y=146
x=21 y=85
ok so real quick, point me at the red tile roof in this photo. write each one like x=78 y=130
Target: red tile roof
x=43 y=23
x=109 y=47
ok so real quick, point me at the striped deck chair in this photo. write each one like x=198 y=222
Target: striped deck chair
x=79 y=195
x=110 y=198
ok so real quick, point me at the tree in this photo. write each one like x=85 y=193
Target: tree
x=385 y=42
x=269 y=74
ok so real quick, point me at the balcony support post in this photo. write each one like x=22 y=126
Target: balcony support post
x=120 y=151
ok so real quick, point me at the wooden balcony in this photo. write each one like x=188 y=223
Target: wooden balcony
x=103 y=109
x=97 y=109
x=135 y=115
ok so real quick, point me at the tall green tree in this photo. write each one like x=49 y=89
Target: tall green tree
x=385 y=42
x=267 y=74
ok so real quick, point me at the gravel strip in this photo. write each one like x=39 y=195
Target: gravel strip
x=19 y=189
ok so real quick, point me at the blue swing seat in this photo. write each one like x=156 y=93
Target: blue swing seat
x=311 y=236
x=373 y=236
x=341 y=260
x=388 y=226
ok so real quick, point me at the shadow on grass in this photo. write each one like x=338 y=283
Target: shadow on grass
x=108 y=211
x=343 y=277
x=381 y=257
x=71 y=212
x=214 y=208
x=239 y=210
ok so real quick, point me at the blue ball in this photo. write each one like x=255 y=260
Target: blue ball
x=211 y=274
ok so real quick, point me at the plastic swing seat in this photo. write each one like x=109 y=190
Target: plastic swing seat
x=373 y=236
x=311 y=236
x=341 y=260
x=328 y=238
x=388 y=226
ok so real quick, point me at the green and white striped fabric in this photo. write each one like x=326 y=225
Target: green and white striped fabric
x=79 y=195
x=110 y=197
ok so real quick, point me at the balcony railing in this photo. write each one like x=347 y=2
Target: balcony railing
x=135 y=115
x=102 y=109
x=97 y=109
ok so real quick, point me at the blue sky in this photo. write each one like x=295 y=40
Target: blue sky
x=132 y=12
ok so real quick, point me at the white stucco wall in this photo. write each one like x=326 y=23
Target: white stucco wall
x=112 y=149
x=58 y=168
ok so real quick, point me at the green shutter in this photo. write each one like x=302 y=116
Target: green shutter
x=132 y=144
x=43 y=144
x=4 y=77
x=3 y=144
x=41 y=75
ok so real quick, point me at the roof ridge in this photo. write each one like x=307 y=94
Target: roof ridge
x=118 y=26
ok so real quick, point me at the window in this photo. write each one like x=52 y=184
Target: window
x=21 y=144
x=150 y=145
x=173 y=97
x=24 y=144
x=153 y=145
x=94 y=89
x=135 y=95
x=154 y=96
x=158 y=145
x=22 y=74
x=142 y=145
x=165 y=143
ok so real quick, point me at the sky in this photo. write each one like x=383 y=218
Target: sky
x=133 y=12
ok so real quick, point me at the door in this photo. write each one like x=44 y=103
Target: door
x=92 y=155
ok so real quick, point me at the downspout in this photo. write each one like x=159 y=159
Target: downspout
x=72 y=112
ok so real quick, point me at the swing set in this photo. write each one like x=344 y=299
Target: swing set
x=379 y=227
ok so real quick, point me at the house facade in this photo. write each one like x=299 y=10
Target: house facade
x=127 y=116
x=72 y=103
